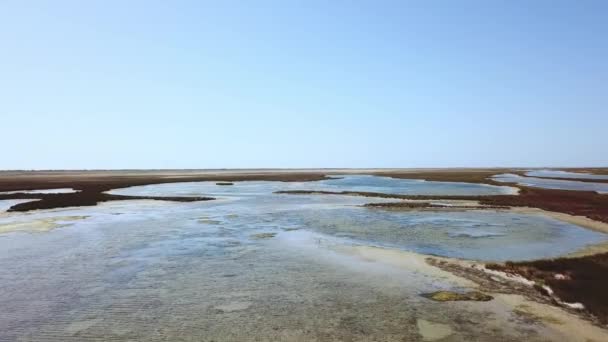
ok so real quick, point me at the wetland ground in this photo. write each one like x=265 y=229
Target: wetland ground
x=296 y=255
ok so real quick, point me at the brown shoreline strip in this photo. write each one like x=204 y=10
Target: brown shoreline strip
x=574 y=280
x=579 y=203
x=79 y=199
x=583 y=180
x=92 y=186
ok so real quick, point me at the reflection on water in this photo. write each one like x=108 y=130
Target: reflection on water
x=151 y=270
x=551 y=183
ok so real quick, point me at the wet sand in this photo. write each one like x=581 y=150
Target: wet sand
x=567 y=326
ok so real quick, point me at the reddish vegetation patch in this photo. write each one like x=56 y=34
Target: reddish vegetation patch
x=84 y=198
x=574 y=280
x=583 y=203
x=93 y=184
x=466 y=175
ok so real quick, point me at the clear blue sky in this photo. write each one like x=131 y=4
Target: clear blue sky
x=194 y=84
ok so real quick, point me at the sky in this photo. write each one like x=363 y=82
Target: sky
x=291 y=84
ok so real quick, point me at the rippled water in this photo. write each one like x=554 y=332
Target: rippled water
x=552 y=183
x=254 y=265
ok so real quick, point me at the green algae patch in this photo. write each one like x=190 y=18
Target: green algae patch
x=260 y=236
x=40 y=225
x=449 y=296
x=206 y=220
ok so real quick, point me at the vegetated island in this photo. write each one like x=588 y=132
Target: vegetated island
x=91 y=186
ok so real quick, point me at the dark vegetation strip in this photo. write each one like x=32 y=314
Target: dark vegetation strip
x=583 y=203
x=466 y=176
x=583 y=180
x=574 y=280
x=93 y=185
x=85 y=198
x=585 y=279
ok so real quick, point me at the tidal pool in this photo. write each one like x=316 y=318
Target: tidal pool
x=551 y=183
x=44 y=191
x=339 y=183
x=564 y=174
x=254 y=265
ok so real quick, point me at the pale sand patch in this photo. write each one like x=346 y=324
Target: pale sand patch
x=431 y=331
x=234 y=306
x=39 y=225
x=567 y=325
x=589 y=250
x=79 y=326
x=560 y=324
x=403 y=259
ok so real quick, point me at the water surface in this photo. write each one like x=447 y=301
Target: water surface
x=564 y=174
x=363 y=183
x=165 y=271
x=551 y=183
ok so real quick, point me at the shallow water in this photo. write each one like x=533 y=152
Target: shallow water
x=6 y=204
x=564 y=174
x=45 y=191
x=153 y=270
x=345 y=183
x=552 y=183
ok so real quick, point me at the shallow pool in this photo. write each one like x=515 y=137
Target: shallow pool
x=551 y=183
x=254 y=265
x=564 y=174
